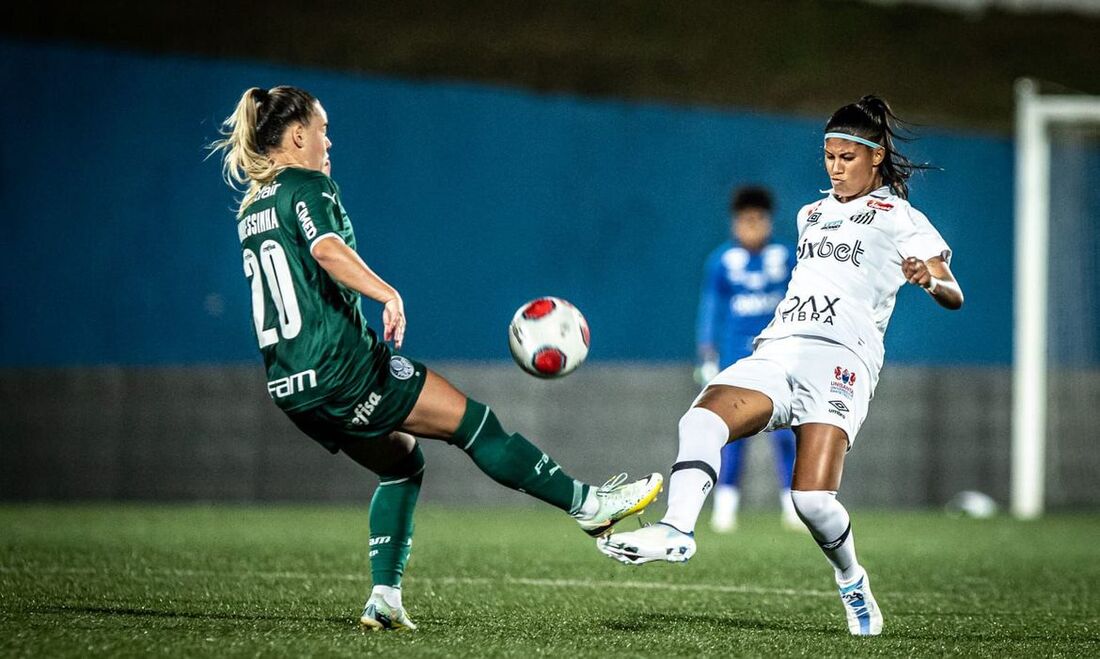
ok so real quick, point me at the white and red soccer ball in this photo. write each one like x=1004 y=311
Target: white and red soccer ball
x=548 y=337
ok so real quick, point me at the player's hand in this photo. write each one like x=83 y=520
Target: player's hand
x=393 y=321
x=916 y=272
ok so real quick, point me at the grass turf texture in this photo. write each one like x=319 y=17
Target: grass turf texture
x=129 y=580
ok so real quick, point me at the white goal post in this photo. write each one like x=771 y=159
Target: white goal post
x=1035 y=114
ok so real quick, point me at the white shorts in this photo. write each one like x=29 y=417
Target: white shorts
x=809 y=380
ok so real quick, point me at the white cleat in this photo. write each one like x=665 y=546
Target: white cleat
x=657 y=542
x=379 y=615
x=619 y=500
x=860 y=607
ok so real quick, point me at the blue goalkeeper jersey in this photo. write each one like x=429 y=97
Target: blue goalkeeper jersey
x=740 y=292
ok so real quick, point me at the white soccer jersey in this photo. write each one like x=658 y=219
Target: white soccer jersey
x=846 y=281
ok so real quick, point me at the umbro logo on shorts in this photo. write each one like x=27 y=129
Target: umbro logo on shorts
x=839 y=406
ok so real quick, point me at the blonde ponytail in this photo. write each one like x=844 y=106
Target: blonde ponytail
x=243 y=160
x=256 y=128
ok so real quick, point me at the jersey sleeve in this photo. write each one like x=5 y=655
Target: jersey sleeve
x=317 y=208
x=706 y=322
x=917 y=237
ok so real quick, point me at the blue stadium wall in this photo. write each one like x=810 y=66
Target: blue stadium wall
x=121 y=247
x=128 y=368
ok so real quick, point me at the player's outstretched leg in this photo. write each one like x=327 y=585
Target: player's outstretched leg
x=514 y=462
x=722 y=412
x=443 y=412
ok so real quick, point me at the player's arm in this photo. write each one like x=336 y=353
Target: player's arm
x=345 y=266
x=934 y=276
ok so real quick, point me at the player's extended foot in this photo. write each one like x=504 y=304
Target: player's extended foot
x=656 y=542
x=618 y=500
x=379 y=614
x=860 y=607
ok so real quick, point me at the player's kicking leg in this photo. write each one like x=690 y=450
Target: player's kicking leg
x=443 y=412
x=720 y=413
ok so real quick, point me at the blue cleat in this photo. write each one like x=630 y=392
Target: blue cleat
x=864 y=616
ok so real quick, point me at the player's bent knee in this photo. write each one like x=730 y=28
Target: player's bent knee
x=410 y=467
x=744 y=411
x=812 y=504
x=702 y=423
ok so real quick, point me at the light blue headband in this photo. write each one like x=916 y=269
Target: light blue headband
x=853 y=138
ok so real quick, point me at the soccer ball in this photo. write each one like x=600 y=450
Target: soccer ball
x=548 y=337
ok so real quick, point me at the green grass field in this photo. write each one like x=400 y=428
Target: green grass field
x=134 y=580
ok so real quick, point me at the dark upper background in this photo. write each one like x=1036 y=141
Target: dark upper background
x=801 y=56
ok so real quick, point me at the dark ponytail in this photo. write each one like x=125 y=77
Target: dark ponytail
x=871 y=118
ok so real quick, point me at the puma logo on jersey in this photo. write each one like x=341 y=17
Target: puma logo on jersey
x=305 y=220
x=331 y=197
x=292 y=384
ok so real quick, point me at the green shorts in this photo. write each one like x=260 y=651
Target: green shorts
x=371 y=408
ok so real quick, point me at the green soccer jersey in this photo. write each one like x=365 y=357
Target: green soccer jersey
x=311 y=330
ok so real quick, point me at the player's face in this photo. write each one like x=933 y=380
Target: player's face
x=314 y=140
x=852 y=167
x=752 y=227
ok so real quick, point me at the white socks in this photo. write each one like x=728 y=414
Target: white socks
x=589 y=507
x=830 y=525
x=390 y=595
x=702 y=436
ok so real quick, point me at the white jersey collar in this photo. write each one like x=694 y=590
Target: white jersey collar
x=879 y=193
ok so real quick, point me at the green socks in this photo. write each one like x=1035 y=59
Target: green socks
x=391 y=519
x=510 y=460
x=514 y=462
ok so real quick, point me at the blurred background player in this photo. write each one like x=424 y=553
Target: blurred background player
x=744 y=279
